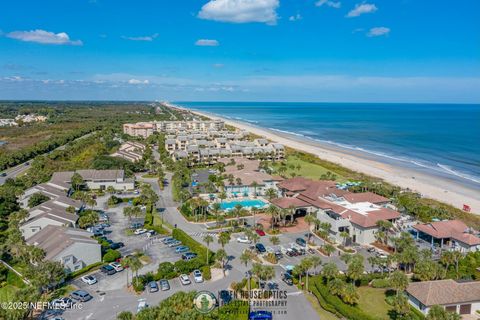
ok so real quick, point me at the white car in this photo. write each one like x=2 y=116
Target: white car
x=244 y=240
x=142 y=304
x=62 y=303
x=382 y=255
x=89 y=279
x=184 y=279
x=117 y=266
x=197 y=276
x=140 y=231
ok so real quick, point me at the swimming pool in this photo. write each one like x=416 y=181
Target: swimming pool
x=247 y=203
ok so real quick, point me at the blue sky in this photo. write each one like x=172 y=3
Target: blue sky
x=241 y=50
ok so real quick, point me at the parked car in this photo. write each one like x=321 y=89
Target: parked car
x=182 y=249
x=174 y=243
x=136 y=225
x=260 y=315
x=371 y=249
x=278 y=254
x=301 y=242
x=3 y=174
x=184 y=279
x=140 y=231
x=188 y=256
x=197 y=276
x=89 y=279
x=108 y=270
x=261 y=233
x=142 y=304
x=167 y=239
x=164 y=285
x=81 y=295
x=244 y=239
x=62 y=303
x=287 y=278
x=291 y=252
x=117 y=266
x=152 y=286
x=117 y=245
x=382 y=255
x=260 y=248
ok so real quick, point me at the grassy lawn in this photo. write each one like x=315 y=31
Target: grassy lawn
x=372 y=301
x=7 y=293
x=307 y=170
x=322 y=314
x=149 y=176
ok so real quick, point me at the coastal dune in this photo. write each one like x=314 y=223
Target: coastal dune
x=438 y=188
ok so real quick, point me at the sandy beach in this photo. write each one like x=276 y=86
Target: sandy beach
x=438 y=188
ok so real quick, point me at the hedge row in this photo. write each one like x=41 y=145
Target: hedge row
x=88 y=268
x=194 y=245
x=334 y=304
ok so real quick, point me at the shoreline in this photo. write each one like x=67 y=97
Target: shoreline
x=438 y=188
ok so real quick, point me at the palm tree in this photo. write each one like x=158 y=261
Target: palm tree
x=222 y=196
x=344 y=235
x=111 y=190
x=330 y=271
x=274 y=240
x=271 y=194
x=223 y=238
x=328 y=249
x=399 y=281
x=245 y=257
x=254 y=184
x=125 y=315
x=221 y=256
x=254 y=211
x=208 y=239
x=306 y=264
x=216 y=208
x=350 y=294
x=272 y=211
x=309 y=219
x=135 y=264
x=127 y=212
x=336 y=286
x=77 y=181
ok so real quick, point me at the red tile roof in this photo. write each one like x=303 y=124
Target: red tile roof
x=286 y=203
x=455 y=229
x=365 y=197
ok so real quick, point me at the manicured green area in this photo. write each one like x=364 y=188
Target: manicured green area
x=322 y=313
x=304 y=169
x=372 y=301
x=7 y=293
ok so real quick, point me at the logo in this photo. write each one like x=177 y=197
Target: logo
x=204 y=301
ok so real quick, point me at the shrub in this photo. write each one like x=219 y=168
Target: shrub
x=207 y=272
x=194 y=246
x=333 y=302
x=111 y=255
x=380 y=283
x=139 y=283
x=36 y=199
x=182 y=266
x=84 y=270
x=166 y=270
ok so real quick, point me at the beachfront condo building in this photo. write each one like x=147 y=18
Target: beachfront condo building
x=145 y=129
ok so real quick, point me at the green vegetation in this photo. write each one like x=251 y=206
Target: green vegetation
x=201 y=251
x=372 y=301
x=295 y=165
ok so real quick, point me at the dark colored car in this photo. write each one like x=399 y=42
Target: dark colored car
x=188 y=256
x=301 y=242
x=108 y=269
x=260 y=248
x=260 y=315
x=116 y=245
x=3 y=174
x=152 y=286
x=81 y=295
x=278 y=254
x=287 y=278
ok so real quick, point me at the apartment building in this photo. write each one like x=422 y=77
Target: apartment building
x=131 y=151
x=145 y=129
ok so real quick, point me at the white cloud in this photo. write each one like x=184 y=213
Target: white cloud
x=295 y=17
x=241 y=11
x=207 y=43
x=362 y=9
x=142 y=38
x=136 y=81
x=329 y=3
x=378 y=31
x=44 y=37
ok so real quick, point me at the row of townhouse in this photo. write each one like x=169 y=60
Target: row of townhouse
x=51 y=225
x=145 y=129
x=209 y=152
x=131 y=151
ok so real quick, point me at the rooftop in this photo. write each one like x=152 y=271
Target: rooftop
x=445 y=292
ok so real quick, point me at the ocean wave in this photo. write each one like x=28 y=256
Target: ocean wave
x=289 y=132
x=458 y=173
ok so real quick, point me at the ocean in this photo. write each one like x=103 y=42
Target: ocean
x=441 y=139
